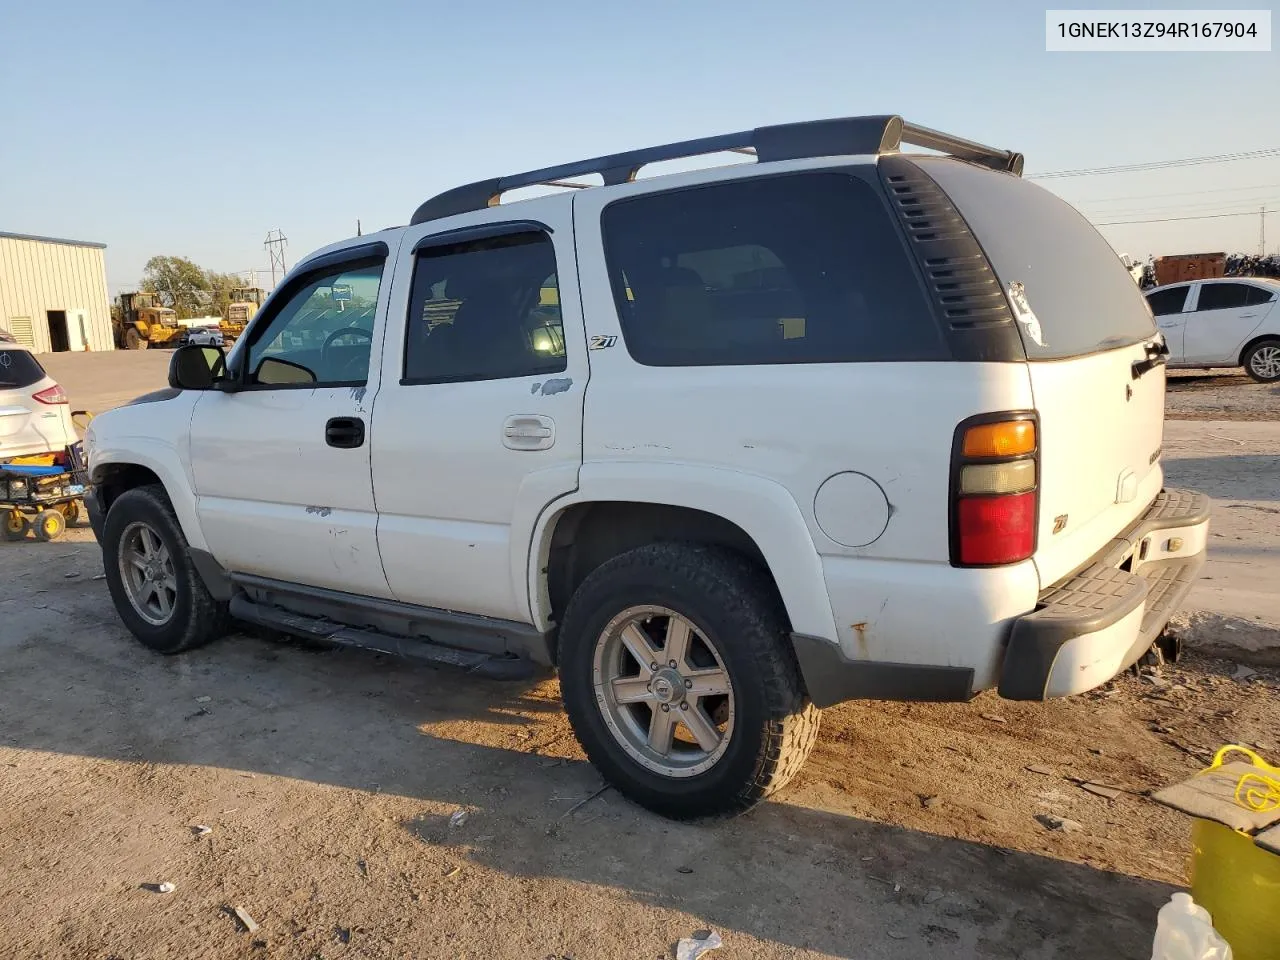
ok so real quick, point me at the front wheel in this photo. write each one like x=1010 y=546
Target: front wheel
x=681 y=683
x=154 y=585
x=1262 y=361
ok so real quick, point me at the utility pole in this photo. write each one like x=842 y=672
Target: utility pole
x=359 y=232
x=275 y=244
x=1262 y=232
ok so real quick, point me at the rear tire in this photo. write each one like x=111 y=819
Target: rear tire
x=15 y=526
x=765 y=723
x=1262 y=361
x=154 y=585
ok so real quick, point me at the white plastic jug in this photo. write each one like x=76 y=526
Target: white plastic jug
x=1184 y=931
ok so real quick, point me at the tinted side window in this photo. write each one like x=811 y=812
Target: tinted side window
x=485 y=310
x=1168 y=301
x=1224 y=296
x=1257 y=295
x=19 y=369
x=806 y=268
x=322 y=333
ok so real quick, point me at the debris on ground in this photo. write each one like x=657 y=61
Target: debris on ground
x=1243 y=673
x=453 y=873
x=203 y=699
x=201 y=830
x=690 y=948
x=250 y=925
x=162 y=887
x=933 y=896
x=584 y=801
x=1042 y=770
x=459 y=818
x=1059 y=824
x=1100 y=790
x=930 y=802
x=993 y=717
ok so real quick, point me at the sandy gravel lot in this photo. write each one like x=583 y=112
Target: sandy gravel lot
x=329 y=779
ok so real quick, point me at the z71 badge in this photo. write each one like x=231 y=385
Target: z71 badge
x=601 y=343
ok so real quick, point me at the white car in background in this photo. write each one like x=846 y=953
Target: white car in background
x=1231 y=322
x=204 y=337
x=34 y=415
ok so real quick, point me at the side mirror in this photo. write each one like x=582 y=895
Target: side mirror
x=197 y=368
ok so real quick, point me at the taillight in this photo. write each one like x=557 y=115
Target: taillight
x=994 y=483
x=52 y=395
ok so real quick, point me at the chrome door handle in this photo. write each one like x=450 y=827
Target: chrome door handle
x=1247 y=316
x=528 y=432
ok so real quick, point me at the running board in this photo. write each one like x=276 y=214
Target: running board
x=494 y=666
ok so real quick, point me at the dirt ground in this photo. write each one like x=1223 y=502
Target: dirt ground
x=1220 y=395
x=329 y=778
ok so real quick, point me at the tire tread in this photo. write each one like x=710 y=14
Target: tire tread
x=728 y=582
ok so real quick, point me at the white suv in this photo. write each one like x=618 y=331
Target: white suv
x=724 y=447
x=1221 y=323
x=34 y=415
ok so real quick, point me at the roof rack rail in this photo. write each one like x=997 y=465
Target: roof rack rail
x=789 y=141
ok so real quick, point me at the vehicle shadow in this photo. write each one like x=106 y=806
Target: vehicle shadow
x=1241 y=476
x=74 y=683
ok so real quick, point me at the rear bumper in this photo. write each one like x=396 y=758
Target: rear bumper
x=1096 y=623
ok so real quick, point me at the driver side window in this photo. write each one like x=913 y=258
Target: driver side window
x=321 y=336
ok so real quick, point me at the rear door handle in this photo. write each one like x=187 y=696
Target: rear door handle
x=346 y=433
x=528 y=431
x=1247 y=316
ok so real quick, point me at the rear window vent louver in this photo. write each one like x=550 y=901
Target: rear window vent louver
x=959 y=279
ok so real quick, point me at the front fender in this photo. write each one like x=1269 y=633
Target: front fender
x=154 y=435
x=764 y=509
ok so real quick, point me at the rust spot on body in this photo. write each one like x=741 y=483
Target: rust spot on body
x=860 y=631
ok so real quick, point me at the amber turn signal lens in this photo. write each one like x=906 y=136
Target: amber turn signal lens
x=1010 y=438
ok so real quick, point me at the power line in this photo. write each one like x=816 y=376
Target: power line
x=1163 y=209
x=1203 y=216
x=1183 y=193
x=1157 y=164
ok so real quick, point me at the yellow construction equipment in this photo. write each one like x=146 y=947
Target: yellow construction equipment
x=245 y=302
x=140 y=322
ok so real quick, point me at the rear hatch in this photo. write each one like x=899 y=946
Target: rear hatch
x=1091 y=347
x=22 y=417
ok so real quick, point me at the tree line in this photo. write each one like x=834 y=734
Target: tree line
x=188 y=288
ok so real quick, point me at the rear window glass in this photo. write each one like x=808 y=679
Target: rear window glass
x=1079 y=293
x=19 y=369
x=1229 y=296
x=1164 y=302
x=807 y=268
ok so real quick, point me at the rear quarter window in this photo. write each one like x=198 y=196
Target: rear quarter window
x=801 y=268
x=1075 y=284
x=19 y=369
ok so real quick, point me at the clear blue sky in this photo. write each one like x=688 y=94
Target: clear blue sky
x=194 y=128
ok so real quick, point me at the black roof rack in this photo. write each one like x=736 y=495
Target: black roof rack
x=790 y=141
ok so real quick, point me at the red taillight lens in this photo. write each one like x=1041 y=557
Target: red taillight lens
x=52 y=395
x=995 y=490
x=995 y=530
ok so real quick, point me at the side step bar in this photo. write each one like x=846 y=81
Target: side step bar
x=401 y=630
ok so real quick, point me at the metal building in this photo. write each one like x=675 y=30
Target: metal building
x=53 y=293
